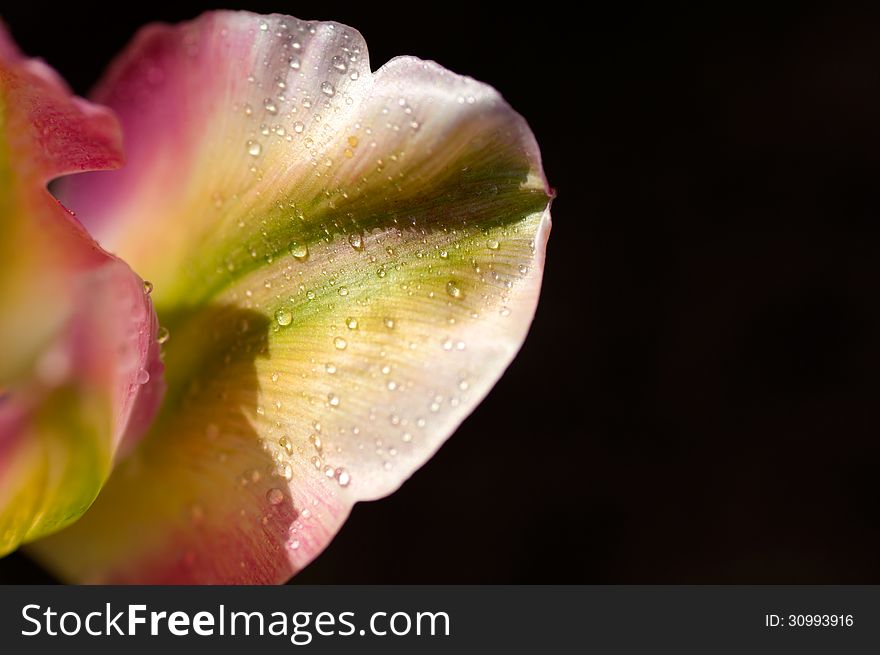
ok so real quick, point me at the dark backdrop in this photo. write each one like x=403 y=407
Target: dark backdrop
x=697 y=399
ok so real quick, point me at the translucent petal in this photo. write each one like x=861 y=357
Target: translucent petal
x=347 y=262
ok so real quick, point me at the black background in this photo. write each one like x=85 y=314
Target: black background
x=696 y=400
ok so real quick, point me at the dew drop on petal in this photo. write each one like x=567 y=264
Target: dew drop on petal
x=339 y=63
x=283 y=316
x=327 y=89
x=340 y=343
x=453 y=289
x=275 y=496
x=356 y=241
x=492 y=244
x=162 y=335
x=143 y=376
x=299 y=250
x=253 y=148
x=352 y=323
x=298 y=127
x=148 y=287
x=343 y=477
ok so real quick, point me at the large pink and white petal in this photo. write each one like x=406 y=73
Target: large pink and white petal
x=347 y=262
x=78 y=333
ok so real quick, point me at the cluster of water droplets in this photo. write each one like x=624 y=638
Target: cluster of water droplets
x=305 y=77
x=462 y=273
x=365 y=395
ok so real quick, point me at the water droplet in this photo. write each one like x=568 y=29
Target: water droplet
x=162 y=334
x=294 y=63
x=333 y=400
x=444 y=254
x=330 y=368
x=299 y=250
x=284 y=442
x=275 y=496
x=343 y=477
x=389 y=323
x=492 y=244
x=294 y=544
x=270 y=106
x=340 y=343
x=298 y=127
x=453 y=289
x=343 y=291
x=329 y=471
x=504 y=311
x=352 y=323
x=356 y=241
x=327 y=89
x=287 y=472
x=283 y=316
x=254 y=149
x=381 y=272
x=148 y=287
x=263 y=26
x=339 y=63
x=143 y=376
x=406 y=437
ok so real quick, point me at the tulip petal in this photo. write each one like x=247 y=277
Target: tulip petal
x=347 y=262
x=78 y=333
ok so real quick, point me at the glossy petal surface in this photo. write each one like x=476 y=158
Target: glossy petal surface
x=347 y=262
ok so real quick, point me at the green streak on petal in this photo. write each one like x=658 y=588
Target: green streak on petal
x=488 y=187
x=57 y=474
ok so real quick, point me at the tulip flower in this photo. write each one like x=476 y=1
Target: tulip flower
x=344 y=263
